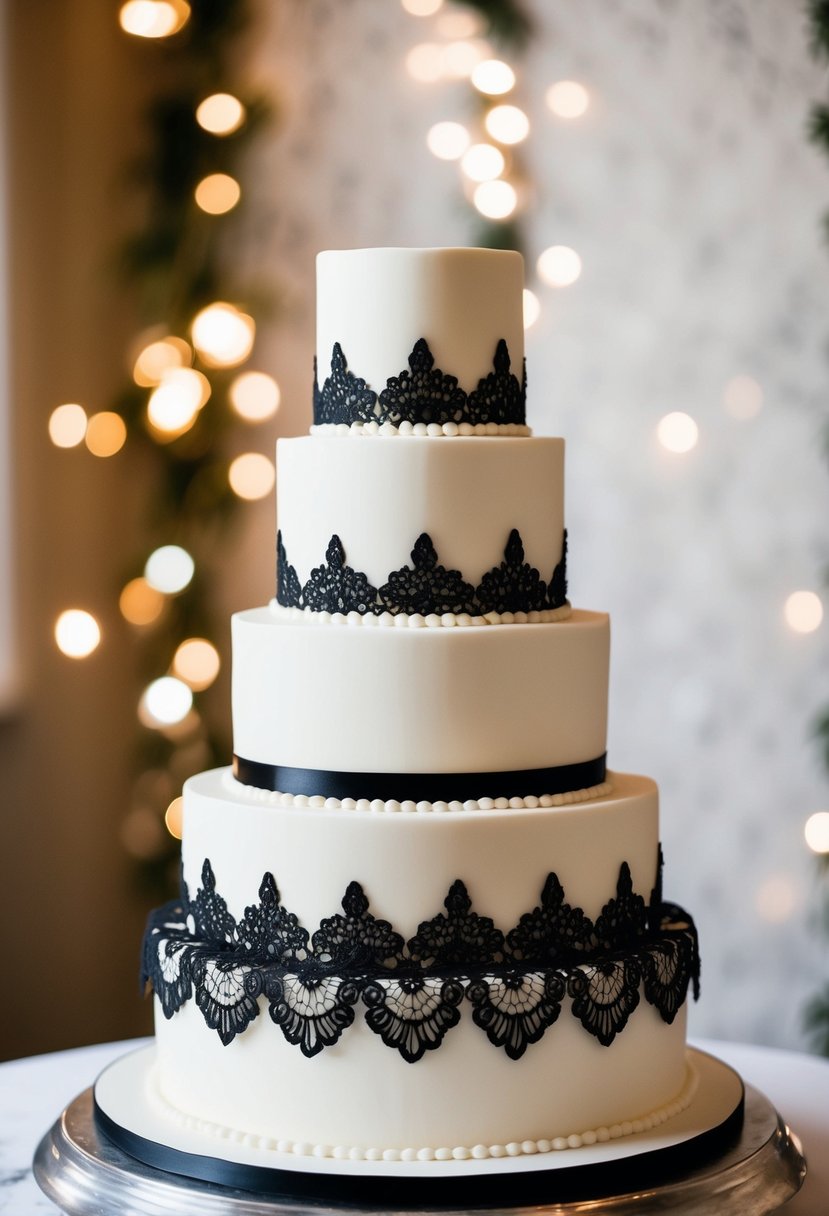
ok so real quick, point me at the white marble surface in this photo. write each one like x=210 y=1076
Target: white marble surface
x=694 y=200
x=34 y=1091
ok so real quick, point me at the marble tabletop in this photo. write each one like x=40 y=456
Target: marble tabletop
x=34 y=1091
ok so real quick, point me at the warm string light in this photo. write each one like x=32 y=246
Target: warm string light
x=77 y=633
x=153 y=18
x=254 y=396
x=816 y=832
x=220 y=114
x=141 y=604
x=217 y=193
x=106 y=433
x=532 y=308
x=803 y=611
x=197 y=662
x=67 y=425
x=251 y=476
x=165 y=702
x=567 y=99
x=223 y=335
x=173 y=817
x=558 y=266
x=173 y=406
x=158 y=356
x=483 y=163
x=677 y=432
x=169 y=569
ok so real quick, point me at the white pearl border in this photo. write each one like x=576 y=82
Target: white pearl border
x=515 y=1148
x=403 y=620
x=422 y=430
x=378 y=806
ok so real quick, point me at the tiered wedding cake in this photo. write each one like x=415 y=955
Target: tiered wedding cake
x=420 y=921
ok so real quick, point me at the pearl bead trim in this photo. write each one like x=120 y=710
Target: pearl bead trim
x=402 y=620
x=515 y=1148
x=422 y=430
x=377 y=806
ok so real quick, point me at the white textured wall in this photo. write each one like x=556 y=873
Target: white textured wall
x=694 y=200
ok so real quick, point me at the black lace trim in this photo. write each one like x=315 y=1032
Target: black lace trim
x=424 y=587
x=420 y=394
x=413 y=991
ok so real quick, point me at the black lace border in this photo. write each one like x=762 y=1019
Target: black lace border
x=421 y=787
x=412 y=991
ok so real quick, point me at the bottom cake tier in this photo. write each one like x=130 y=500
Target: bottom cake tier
x=371 y=984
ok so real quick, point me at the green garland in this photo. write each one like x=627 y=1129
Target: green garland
x=817 y=1012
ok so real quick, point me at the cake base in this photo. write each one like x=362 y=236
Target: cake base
x=751 y=1169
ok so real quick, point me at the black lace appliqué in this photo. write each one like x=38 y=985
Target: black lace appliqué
x=421 y=393
x=425 y=587
x=412 y=992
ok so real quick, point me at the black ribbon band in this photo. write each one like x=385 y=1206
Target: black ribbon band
x=421 y=787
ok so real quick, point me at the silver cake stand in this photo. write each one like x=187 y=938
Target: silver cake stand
x=86 y=1175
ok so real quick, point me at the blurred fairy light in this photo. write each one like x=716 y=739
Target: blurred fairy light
x=447 y=140
x=455 y=24
x=173 y=816
x=532 y=308
x=67 y=425
x=816 y=832
x=507 y=124
x=217 y=193
x=220 y=114
x=803 y=611
x=254 y=396
x=77 y=633
x=223 y=335
x=743 y=398
x=493 y=77
x=153 y=18
x=160 y=356
x=558 y=266
x=251 y=476
x=460 y=58
x=173 y=406
x=106 y=433
x=496 y=200
x=421 y=8
x=776 y=899
x=197 y=662
x=483 y=162
x=424 y=62
x=677 y=432
x=165 y=702
x=140 y=603
x=567 y=99
x=169 y=569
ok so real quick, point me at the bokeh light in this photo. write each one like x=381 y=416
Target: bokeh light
x=455 y=23
x=496 y=200
x=153 y=18
x=677 y=432
x=173 y=817
x=169 y=569
x=197 y=662
x=532 y=308
x=558 y=266
x=217 y=193
x=67 y=425
x=220 y=114
x=421 y=8
x=776 y=899
x=173 y=406
x=165 y=702
x=803 y=611
x=816 y=832
x=160 y=356
x=77 y=633
x=483 y=162
x=106 y=433
x=447 y=140
x=493 y=77
x=743 y=398
x=507 y=124
x=140 y=603
x=251 y=475
x=424 y=62
x=223 y=335
x=254 y=396
x=462 y=57
x=567 y=99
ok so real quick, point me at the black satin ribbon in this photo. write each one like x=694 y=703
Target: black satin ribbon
x=421 y=787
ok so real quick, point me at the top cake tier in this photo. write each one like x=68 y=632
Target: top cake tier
x=414 y=338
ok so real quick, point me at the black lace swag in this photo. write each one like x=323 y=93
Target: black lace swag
x=412 y=992
x=420 y=394
x=424 y=587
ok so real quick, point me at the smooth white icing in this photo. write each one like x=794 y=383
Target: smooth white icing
x=378 y=302
x=420 y=700
x=378 y=498
x=477 y=1152
x=405 y=620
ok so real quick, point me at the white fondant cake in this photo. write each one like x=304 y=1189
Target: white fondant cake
x=420 y=921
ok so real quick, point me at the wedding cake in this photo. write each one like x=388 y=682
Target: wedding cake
x=420 y=920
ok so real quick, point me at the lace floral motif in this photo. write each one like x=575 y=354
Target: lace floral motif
x=421 y=393
x=425 y=587
x=412 y=992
